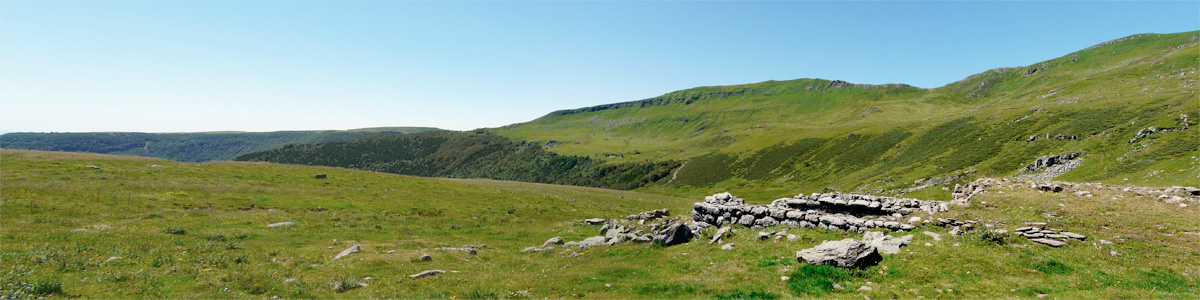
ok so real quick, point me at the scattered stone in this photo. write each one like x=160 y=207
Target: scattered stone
x=792 y=238
x=390 y=251
x=93 y=167
x=290 y=280
x=935 y=236
x=427 y=273
x=762 y=236
x=717 y=236
x=784 y=278
x=650 y=215
x=1048 y=242
x=282 y=224
x=595 y=221
x=348 y=251
x=426 y=257
x=864 y=288
x=838 y=287
x=885 y=243
x=844 y=253
x=595 y=241
x=468 y=250
x=553 y=241
x=727 y=246
x=532 y=249
x=320 y=176
x=110 y=259
x=573 y=255
x=914 y=220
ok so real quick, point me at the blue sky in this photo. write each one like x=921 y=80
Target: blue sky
x=264 y=66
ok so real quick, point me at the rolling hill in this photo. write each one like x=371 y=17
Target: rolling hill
x=1125 y=106
x=812 y=134
x=191 y=147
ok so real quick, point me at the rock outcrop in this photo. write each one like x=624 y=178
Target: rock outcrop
x=1053 y=166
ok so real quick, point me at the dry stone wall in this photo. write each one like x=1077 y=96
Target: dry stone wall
x=847 y=212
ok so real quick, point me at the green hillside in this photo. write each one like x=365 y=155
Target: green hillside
x=810 y=134
x=135 y=227
x=191 y=147
x=468 y=155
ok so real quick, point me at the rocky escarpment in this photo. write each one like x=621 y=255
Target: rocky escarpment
x=1053 y=166
x=847 y=212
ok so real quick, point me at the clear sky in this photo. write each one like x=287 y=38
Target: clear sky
x=291 y=65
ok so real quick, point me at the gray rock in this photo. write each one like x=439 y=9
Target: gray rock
x=792 y=238
x=426 y=257
x=427 y=273
x=282 y=224
x=594 y=221
x=348 y=251
x=675 y=234
x=832 y=220
x=885 y=243
x=595 y=241
x=778 y=214
x=727 y=246
x=1073 y=235
x=1048 y=242
x=1192 y=191
x=717 y=236
x=762 y=236
x=643 y=239
x=571 y=244
x=532 y=249
x=553 y=241
x=746 y=220
x=620 y=238
x=794 y=215
x=468 y=250
x=844 y=253
x=935 y=236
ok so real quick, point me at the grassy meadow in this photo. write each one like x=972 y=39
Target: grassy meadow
x=198 y=230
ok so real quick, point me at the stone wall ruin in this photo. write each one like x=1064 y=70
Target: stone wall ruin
x=832 y=211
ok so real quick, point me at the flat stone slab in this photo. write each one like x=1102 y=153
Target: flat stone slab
x=282 y=224
x=427 y=273
x=1049 y=242
x=348 y=251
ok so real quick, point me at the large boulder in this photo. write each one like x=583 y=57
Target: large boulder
x=674 y=234
x=847 y=253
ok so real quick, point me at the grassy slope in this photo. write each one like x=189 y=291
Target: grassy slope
x=777 y=137
x=193 y=147
x=62 y=220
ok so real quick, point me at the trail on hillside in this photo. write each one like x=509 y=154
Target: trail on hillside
x=676 y=172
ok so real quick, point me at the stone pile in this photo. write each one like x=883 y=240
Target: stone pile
x=614 y=232
x=1052 y=238
x=650 y=215
x=962 y=193
x=847 y=212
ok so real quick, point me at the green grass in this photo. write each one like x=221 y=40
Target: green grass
x=802 y=135
x=63 y=222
